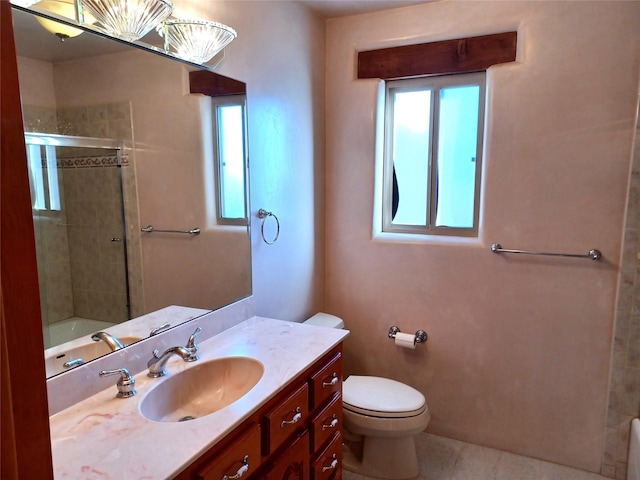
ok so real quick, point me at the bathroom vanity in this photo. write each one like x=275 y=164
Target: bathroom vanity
x=287 y=425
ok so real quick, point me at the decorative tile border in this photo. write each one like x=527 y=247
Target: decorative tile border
x=90 y=162
x=93 y=161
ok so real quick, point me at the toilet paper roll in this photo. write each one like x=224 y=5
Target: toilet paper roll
x=405 y=340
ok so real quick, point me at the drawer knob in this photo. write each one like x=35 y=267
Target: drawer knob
x=333 y=465
x=241 y=471
x=332 y=424
x=334 y=380
x=296 y=418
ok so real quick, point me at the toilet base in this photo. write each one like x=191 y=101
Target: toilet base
x=382 y=457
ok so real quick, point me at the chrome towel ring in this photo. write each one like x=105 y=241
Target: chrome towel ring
x=263 y=214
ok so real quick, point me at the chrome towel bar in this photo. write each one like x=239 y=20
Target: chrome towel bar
x=150 y=229
x=593 y=254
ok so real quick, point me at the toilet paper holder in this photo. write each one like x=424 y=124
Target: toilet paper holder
x=421 y=335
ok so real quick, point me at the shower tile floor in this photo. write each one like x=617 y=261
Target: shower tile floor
x=441 y=458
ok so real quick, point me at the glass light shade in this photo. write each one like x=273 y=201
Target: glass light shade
x=128 y=19
x=196 y=41
x=24 y=3
x=62 y=8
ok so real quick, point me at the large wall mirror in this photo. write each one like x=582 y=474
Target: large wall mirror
x=116 y=144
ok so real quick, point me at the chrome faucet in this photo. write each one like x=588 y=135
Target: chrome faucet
x=157 y=364
x=113 y=342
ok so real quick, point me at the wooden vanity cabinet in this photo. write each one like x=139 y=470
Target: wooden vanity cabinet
x=297 y=435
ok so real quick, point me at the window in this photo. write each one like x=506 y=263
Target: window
x=432 y=154
x=43 y=177
x=231 y=165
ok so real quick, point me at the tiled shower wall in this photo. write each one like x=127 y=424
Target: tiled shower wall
x=102 y=121
x=624 y=383
x=93 y=206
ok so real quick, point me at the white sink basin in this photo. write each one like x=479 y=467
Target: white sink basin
x=54 y=363
x=201 y=389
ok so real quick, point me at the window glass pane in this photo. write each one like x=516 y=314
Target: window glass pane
x=52 y=177
x=457 y=149
x=411 y=126
x=231 y=144
x=36 y=177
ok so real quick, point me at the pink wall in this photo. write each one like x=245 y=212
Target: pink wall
x=519 y=347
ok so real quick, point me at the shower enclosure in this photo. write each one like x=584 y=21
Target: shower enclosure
x=80 y=228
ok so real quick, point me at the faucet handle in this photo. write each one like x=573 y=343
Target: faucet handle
x=193 y=346
x=125 y=383
x=192 y=339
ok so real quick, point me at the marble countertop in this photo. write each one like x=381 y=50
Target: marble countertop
x=104 y=437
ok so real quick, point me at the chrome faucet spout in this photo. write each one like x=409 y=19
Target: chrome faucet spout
x=113 y=342
x=157 y=364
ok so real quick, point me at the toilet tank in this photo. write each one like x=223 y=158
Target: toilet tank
x=325 y=320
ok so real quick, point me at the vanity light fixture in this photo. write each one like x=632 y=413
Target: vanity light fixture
x=64 y=9
x=195 y=40
x=24 y=3
x=128 y=19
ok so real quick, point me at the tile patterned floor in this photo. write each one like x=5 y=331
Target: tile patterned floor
x=445 y=459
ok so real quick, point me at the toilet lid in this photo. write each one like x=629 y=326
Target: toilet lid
x=381 y=397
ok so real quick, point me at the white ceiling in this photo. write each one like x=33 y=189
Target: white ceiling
x=341 y=8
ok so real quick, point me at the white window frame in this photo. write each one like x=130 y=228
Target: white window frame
x=45 y=187
x=434 y=83
x=217 y=103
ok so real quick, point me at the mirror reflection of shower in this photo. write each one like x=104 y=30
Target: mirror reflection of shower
x=80 y=228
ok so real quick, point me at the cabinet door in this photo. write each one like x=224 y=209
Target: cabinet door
x=326 y=382
x=293 y=463
x=284 y=420
x=327 y=465
x=240 y=459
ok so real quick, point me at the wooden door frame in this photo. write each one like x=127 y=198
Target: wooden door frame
x=24 y=421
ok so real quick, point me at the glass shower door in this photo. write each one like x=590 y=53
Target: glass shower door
x=78 y=214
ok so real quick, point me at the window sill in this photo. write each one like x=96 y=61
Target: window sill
x=412 y=238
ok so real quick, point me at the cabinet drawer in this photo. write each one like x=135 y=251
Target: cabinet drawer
x=328 y=463
x=326 y=381
x=293 y=463
x=326 y=423
x=241 y=458
x=285 y=419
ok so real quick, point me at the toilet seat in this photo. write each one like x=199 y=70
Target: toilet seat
x=381 y=397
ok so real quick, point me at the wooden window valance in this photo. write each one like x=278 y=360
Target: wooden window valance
x=214 y=84
x=460 y=55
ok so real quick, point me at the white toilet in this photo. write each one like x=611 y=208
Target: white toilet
x=381 y=418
